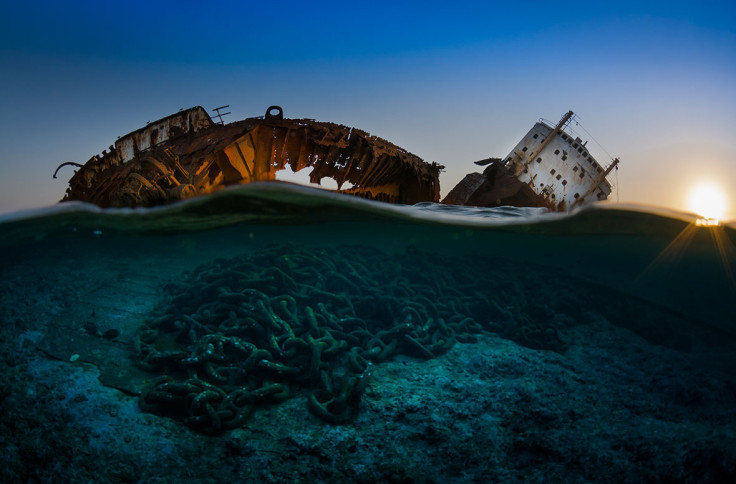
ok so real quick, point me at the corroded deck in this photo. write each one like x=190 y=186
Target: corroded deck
x=170 y=160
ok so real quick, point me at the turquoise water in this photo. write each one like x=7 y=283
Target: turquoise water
x=653 y=255
x=211 y=312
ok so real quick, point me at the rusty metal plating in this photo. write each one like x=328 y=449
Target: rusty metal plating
x=186 y=154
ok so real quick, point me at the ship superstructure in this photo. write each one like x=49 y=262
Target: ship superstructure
x=549 y=167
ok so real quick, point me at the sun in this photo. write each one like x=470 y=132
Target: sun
x=708 y=201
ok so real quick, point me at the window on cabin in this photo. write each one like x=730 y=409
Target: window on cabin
x=539 y=160
x=575 y=145
x=575 y=169
x=559 y=176
x=536 y=136
x=524 y=149
x=564 y=157
x=577 y=195
x=552 y=171
x=564 y=182
x=582 y=175
x=557 y=152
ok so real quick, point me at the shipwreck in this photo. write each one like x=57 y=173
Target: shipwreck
x=188 y=154
x=548 y=168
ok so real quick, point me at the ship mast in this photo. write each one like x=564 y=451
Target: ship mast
x=597 y=183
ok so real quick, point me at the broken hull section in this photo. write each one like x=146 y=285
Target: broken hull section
x=186 y=155
x=495 y=187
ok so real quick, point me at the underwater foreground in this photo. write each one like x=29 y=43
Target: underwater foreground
x=274 y=333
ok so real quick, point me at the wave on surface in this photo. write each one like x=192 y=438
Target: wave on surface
x=285 y=203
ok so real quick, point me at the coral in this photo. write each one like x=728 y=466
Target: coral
x=257 y=329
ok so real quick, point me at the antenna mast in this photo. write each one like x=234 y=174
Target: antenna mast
x=220 y=115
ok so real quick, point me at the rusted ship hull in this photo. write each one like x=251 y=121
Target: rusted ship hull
x=187 y=154
x=495 y=187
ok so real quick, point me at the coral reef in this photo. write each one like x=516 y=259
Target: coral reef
x=256 y=329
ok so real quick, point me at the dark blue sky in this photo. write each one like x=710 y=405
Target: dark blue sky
x=237 y=33
x=450 y=81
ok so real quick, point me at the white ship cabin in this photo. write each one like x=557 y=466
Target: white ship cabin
x=178 y=124
x=561 y=168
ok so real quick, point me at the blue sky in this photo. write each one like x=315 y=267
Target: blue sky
x=452 y=82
